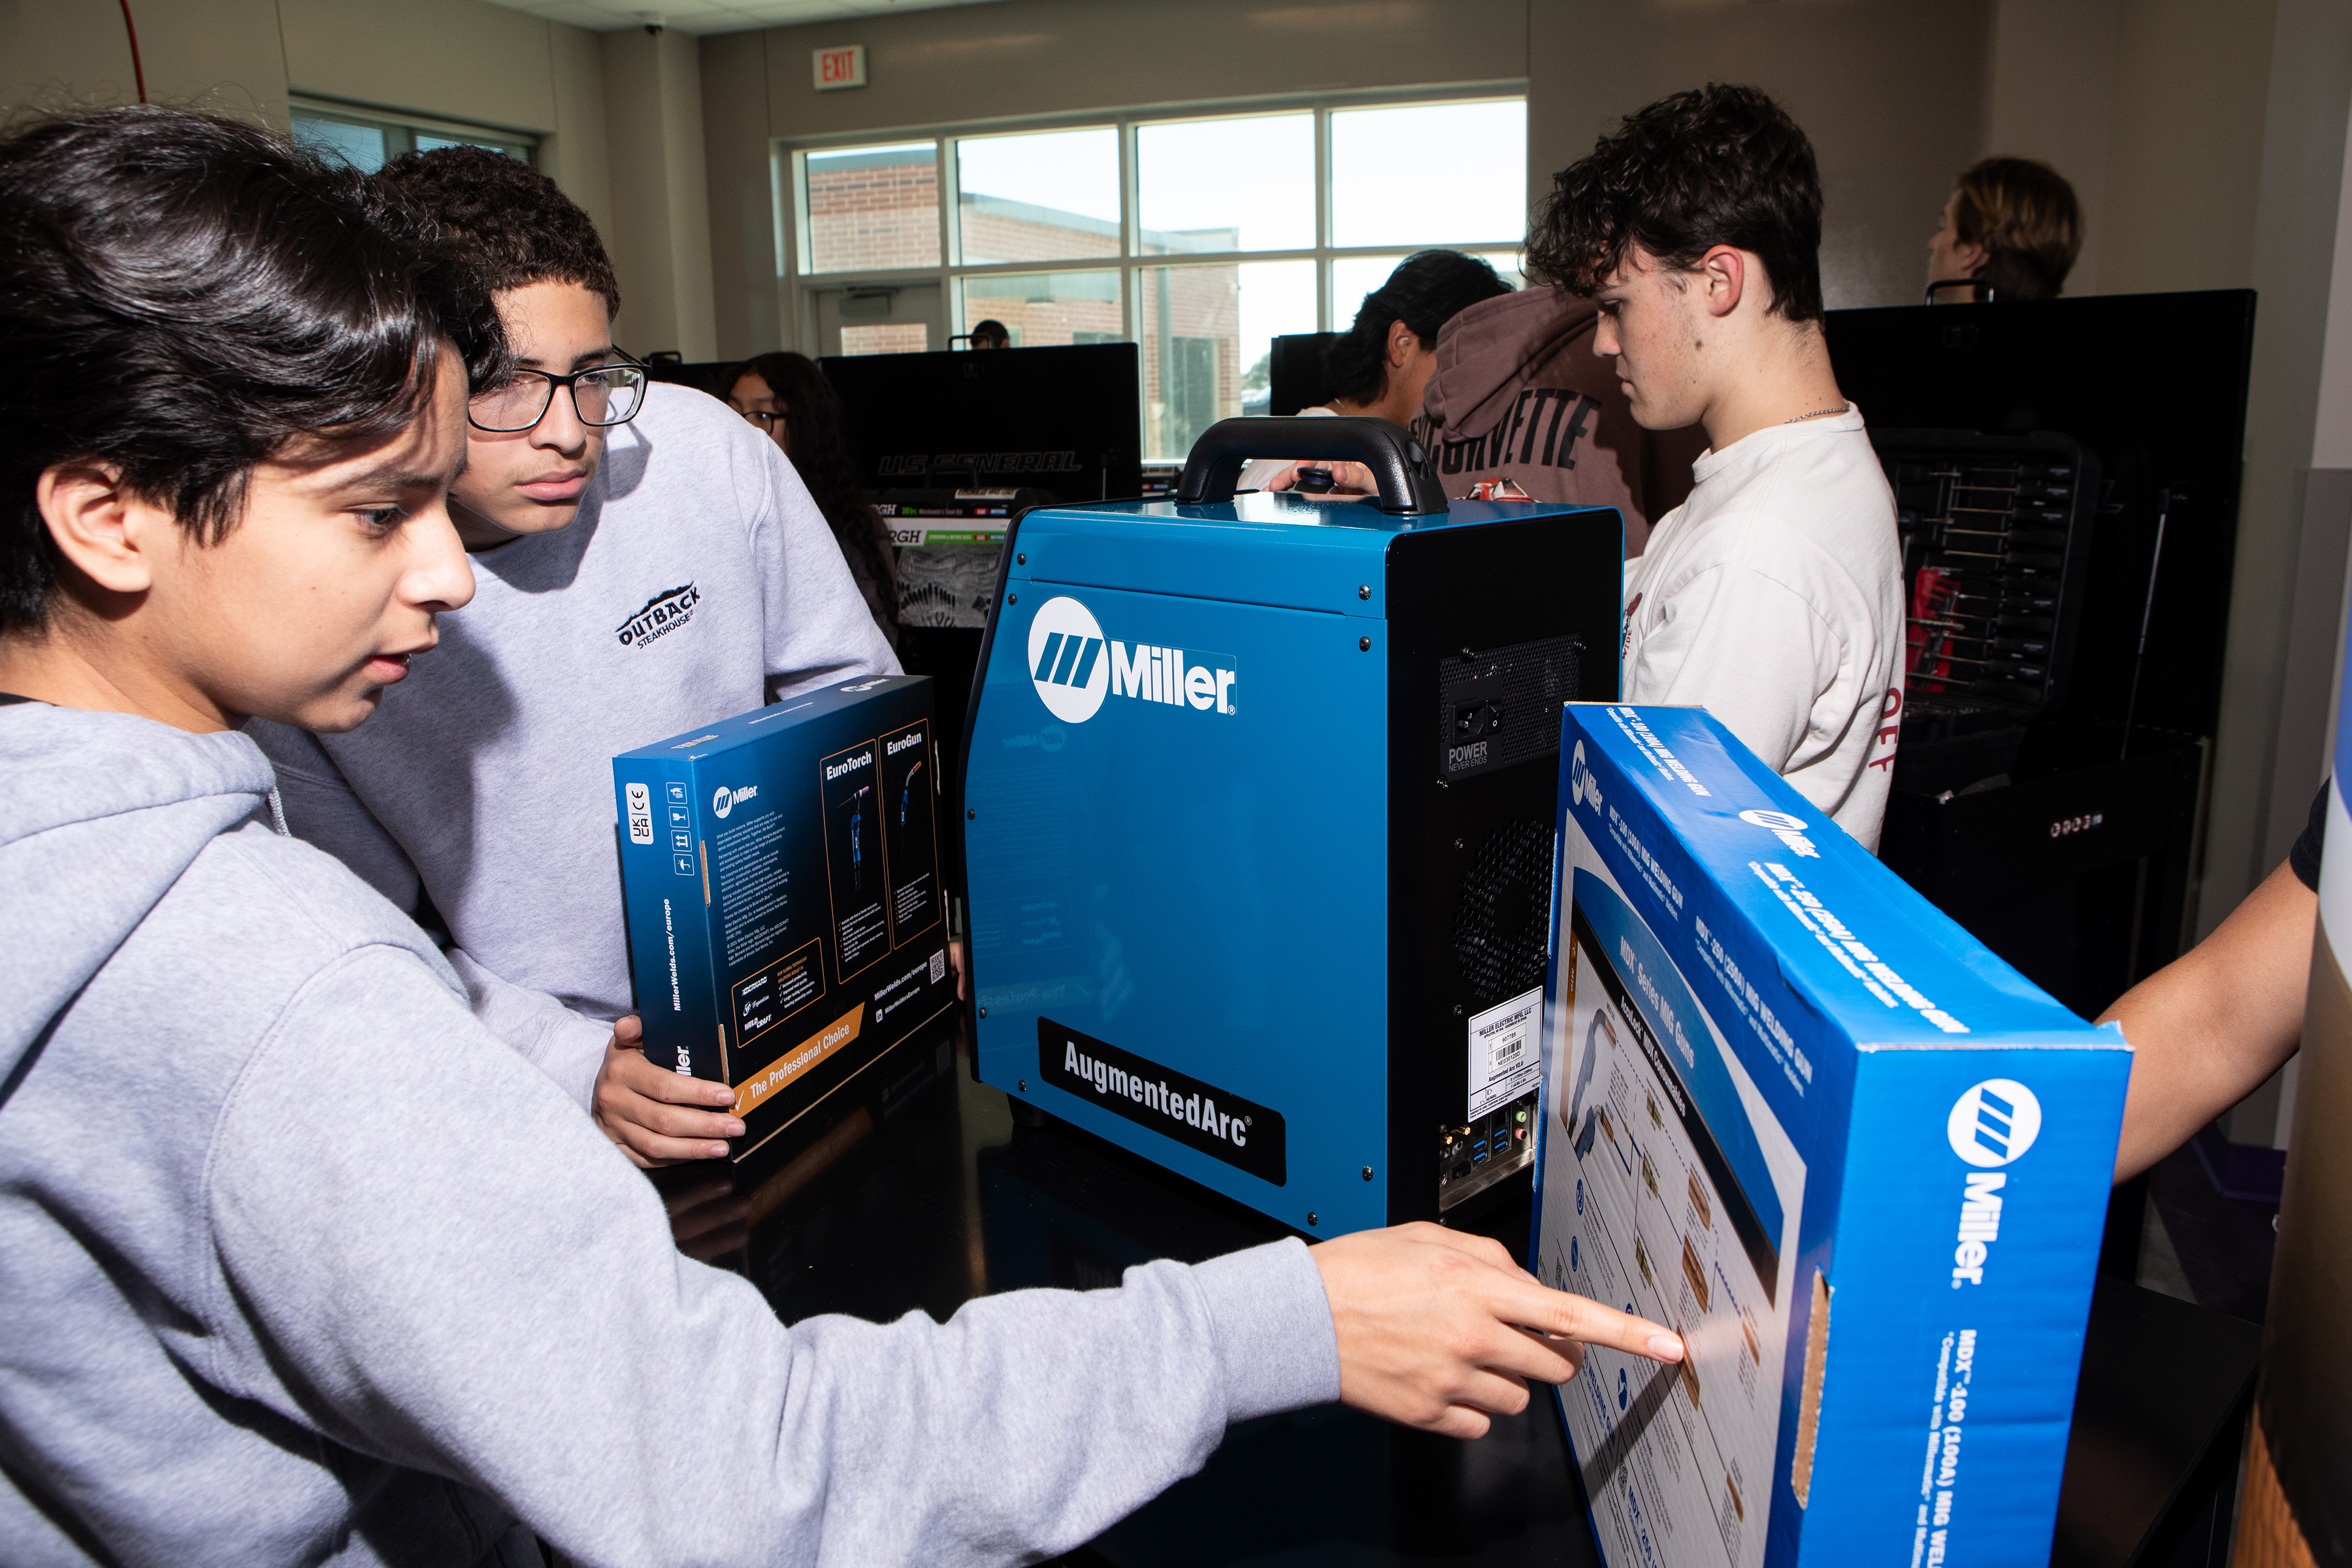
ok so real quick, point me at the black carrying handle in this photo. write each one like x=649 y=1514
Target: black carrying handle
x=1406 y=479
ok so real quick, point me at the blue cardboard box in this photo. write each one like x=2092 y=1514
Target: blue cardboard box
x=1858 y=1162
x=780 y=873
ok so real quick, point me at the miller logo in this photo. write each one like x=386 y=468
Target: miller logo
x=1581 y=785
x=1994 y=1122
x=727 y=800
x=1788 y=830
x=1074 y=667
x=661 y=615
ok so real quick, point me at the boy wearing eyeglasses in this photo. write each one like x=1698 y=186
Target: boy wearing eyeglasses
x=645 y=562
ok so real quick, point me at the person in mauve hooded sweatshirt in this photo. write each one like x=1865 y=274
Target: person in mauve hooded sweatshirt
x=1519 y=405
x=300 y=1263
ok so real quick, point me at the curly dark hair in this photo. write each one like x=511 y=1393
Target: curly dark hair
x=2025 y=216
x=1719 y=165
x=1428 y=290
x=182 y=297
x=511 y=224
x=820 y=451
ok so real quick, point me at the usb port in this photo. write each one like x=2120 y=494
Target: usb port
x=1478 y=1151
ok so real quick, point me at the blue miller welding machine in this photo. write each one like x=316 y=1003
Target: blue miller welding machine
x=1260 y=800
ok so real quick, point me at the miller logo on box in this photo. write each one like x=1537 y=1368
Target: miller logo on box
x=1857 y=1161
x=786 y=923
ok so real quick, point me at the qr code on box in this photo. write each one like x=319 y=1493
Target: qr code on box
x=938 y=966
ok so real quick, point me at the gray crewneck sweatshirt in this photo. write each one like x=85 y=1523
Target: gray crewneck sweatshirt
x=301 y=1265
x=698 y=581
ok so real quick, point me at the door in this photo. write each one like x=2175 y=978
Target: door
x=880 y=318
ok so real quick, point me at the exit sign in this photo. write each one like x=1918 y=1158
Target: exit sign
x=837 y=69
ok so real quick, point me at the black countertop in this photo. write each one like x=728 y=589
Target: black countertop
x=914 y=1189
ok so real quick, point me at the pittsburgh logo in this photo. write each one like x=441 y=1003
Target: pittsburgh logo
x=1994 y=1122
x=662 y=615
x=1074 y=667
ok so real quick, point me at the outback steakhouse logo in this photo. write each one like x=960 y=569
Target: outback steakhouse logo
x=662 y=615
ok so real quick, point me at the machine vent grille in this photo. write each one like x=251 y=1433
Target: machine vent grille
x=1502 y=706
x=1499 y=930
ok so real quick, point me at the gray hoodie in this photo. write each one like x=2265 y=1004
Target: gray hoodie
x=300 y=1264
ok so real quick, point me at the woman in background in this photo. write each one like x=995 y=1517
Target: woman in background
x=2010 y=231
x=786 y=395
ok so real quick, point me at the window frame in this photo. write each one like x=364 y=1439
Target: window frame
x=372 y=117
x=798 y=283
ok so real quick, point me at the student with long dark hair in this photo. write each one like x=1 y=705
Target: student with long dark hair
x=1384 y=359
x=787 y=396
x=301 y=1263
x=1381 y=363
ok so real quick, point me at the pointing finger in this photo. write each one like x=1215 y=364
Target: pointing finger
x=1554 y=1311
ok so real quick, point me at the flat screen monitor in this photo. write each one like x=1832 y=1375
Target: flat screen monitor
x=1060 y=419
x=2156 y=384
x=1295 y=372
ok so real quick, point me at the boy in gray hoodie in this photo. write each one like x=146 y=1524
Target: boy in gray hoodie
x=301 y=1263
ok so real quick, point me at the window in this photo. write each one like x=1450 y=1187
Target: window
x=1198 y=238
x=367 y=139
x=1050 y=195
x=872 y=207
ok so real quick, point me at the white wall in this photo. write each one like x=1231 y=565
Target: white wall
x=458 y=60
x=1891 y=93
x=2331 y=439
x=2267 y=758
x=660 y=243
x=2207 y=142
x=1890 y=135
x=216 y=54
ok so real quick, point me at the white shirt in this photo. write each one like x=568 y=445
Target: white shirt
x=1773 y=597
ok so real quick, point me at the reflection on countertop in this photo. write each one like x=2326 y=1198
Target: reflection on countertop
x=913 y=1189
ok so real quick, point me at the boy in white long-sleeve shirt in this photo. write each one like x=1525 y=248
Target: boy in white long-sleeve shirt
x=637 y=578
x=1773 y=595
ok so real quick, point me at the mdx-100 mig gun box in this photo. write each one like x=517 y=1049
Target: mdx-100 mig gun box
x=787 y=923
x=1861 y=1165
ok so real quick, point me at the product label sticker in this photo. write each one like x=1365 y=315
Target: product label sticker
x=1504 y=1064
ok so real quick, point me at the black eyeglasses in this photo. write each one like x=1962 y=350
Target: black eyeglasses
x=763 y=417
x=602 y=394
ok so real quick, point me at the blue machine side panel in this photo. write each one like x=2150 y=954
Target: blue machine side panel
x=1957 y=1302
x=1128 y=848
